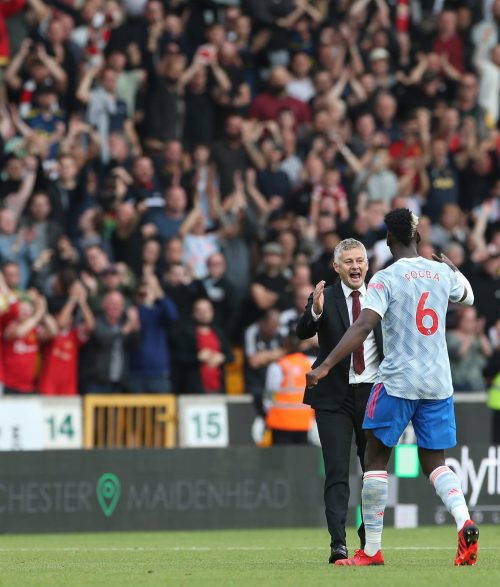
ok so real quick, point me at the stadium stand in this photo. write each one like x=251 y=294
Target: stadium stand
x=140 y=139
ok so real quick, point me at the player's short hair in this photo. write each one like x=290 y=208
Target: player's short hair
x=402 y=224
x=346 y=245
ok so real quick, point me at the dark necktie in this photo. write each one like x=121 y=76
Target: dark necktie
x=358 y=355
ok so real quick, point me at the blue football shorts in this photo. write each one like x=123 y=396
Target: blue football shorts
x=433 y=419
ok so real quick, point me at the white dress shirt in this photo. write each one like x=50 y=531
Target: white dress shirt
x=370 y=351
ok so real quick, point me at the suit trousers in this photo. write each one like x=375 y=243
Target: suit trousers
x=335 y=429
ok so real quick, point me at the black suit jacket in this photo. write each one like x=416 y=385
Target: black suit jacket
x=186 y=375
x=330 y=391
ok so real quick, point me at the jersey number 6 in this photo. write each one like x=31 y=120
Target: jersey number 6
x=422 y=313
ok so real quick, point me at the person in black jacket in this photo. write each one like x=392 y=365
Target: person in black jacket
x=340 y=398
x=103 y=360
x=202 y=351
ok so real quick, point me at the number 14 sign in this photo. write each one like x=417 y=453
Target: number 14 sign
x=62 y=423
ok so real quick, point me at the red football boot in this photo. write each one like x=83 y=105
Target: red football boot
x=468 y=539
x=360 y=559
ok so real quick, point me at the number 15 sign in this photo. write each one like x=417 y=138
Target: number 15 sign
x=203 y=424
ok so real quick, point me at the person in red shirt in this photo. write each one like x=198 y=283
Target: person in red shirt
x=201 y=352
x=329 y=195
x=448 y=42
x=209 y=348
x=268 y=105
x=7 y=8
x=59 y=373
x=9 y=309
x=21 y=343
x=406 y=152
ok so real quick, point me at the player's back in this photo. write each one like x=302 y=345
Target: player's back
x=412 y=297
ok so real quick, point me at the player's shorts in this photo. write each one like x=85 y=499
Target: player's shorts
x=433 y=419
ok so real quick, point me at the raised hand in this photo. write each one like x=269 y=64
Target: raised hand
x=319 y=298
x=444 y=259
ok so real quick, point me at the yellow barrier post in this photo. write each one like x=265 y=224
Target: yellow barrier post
x=131 y=421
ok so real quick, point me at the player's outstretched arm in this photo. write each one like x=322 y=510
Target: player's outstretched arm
x=353 y=338
x=468 y=296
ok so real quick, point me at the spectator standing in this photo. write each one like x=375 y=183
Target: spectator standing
x=43 y=232
x=268 y=288
x=321 y=268
x=450 y=227
x=235 y=152
x=301 y=86
x=46 y=120
x=237 y=98
x=273 y=182
x=468 y=106
x=443 y=180
x=487 y=61
x=150 y=365
x=203 y=81
x=67 y=193
x=267 y=105
x=448 y=41
x=221 y=293
x=127 y=239
x=198 y=243
x=182 y=289
x=59 y=372
x=106 y=112
x=7 y=9
x=14 y=247
x=290 y=318
x=164 y=105
x=202 y=352
x=9 y=308
x=263 y=345
x=105 y=361
x=469 y=350
x=286 y=416
x=144 y=187
x=21 y=343
x=169 y=220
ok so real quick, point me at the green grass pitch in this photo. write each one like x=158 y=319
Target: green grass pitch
x=291 y=557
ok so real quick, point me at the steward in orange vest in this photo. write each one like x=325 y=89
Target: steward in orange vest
x=287 y=416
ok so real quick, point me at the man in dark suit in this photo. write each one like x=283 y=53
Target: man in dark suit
x=340 y=398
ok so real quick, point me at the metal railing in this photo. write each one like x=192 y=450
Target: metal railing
x=130 y=421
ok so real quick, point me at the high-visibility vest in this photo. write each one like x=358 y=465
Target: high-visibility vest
x=493 y=401
x=287 y=411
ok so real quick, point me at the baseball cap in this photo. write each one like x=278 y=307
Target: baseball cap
x=272 y=249
x=46 y=87
x=379 y=53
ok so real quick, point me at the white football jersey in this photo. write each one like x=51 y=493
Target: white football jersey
x=412 y=297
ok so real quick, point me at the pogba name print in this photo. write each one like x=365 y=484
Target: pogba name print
x=411 y=275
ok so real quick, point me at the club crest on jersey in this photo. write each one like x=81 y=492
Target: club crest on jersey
x=421 y=275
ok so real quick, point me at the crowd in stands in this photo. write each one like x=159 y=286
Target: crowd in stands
x=175 y=176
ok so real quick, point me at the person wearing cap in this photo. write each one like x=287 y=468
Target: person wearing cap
x=380 y=67
x=340 y=398
x=46 y=119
